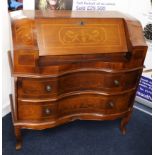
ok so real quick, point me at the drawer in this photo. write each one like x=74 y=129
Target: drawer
x=75 y=104
x=37 y=88
x=111 y=61
x=77 y=81
x=96 y=103
x=98 y=81
x=36 y=110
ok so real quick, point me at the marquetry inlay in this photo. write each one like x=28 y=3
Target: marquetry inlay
x=24 y=33
x=105 y=35
x=82 y=35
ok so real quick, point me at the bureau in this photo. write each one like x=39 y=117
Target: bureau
x=68 y=65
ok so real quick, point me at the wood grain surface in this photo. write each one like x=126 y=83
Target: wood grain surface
x=73 y=65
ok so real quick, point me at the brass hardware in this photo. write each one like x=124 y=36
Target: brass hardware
x=47 y=111
x=48 y=88
x=116 y=82
x=111 y=104
x=127 y=55
x=81 y=23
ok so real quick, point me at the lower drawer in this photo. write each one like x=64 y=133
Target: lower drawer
x=86 y=103
x=96 y=104
x=36 y=110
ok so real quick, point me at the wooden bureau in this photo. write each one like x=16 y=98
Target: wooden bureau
x=73 y=65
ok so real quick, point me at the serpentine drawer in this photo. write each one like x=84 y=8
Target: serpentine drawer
x=77 y=81
x=73 y=104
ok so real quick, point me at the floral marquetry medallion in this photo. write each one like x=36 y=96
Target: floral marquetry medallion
x=82 y=36
x=24 y=33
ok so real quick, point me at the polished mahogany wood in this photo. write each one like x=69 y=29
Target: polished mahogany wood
x=87 y=36
x=96 y=80
x=69 y=65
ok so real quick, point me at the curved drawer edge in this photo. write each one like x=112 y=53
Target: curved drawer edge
x=75 y=71
x=69 y=118
x=76 y=93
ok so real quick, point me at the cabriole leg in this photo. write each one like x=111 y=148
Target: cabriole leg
x=18 y=137
x=124 y=122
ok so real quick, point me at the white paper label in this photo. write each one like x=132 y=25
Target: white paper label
x=28 y=4
x=94 y=5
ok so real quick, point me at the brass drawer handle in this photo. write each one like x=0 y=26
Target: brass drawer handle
x=47 y=111
x=82 y=23
x=111 y=104
x=128 y=55
x=48 y=88
x=116 y=82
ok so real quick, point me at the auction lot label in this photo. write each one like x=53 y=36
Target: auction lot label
x=94 y=5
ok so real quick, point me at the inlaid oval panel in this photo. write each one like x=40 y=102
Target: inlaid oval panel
x=78 y=35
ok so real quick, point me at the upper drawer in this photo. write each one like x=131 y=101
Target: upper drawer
x=98 y=81
x=80 y=36
x=37 y=88
x=77 y=81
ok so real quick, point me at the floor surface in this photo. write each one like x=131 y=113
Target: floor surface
x=83 y=138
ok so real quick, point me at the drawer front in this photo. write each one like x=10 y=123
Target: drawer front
x=77 y=81
x=110 y=61
x=25 y=61
x=97 y=81
x=37 y=88
x=75 y=104
x=95 y=103
x=36 y=111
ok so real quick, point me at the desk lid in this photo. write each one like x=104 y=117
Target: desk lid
x=80 y=36
x=72 y=32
